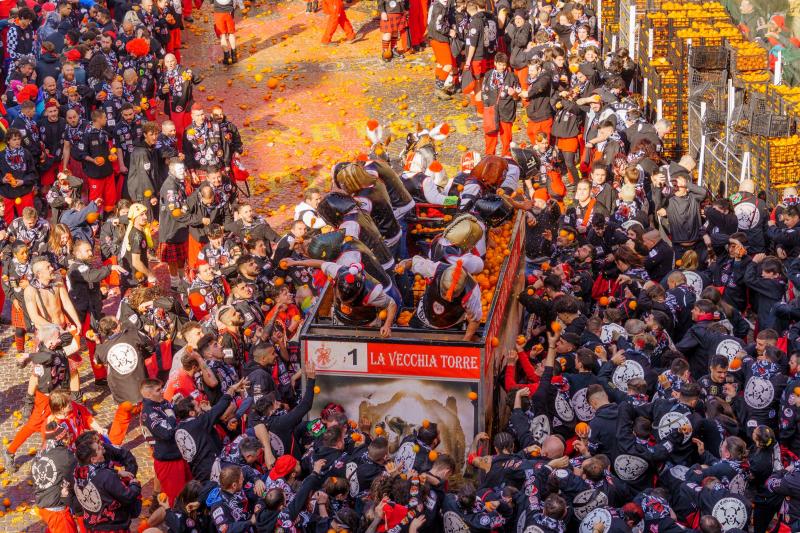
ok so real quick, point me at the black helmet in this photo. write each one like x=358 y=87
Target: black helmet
x=349 y=284
x=493 y=210
x=326 y=246
x=334 y=206
x=526 y=160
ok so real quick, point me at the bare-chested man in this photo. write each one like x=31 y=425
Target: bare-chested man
x=48 y=303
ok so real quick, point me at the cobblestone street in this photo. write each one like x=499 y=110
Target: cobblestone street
x=314 y=115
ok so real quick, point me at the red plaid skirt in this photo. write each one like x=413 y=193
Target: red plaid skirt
x=396 y=23
x=172 y=252
x=17 y=317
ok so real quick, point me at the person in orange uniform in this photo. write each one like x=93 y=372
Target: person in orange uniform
x=500 y=91
x=336 y=17
x=439 y=39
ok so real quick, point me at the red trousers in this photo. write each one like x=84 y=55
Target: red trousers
x=335 y=19
x=174 y=44
x=543 y=126
x=99 y=371
x=182 y=120
x=173 y=476
x=35 y=424
x=48 y=177
x=14 y=209
x=122 y=419
x=522 y=76
x=105 y=188
x=444 y=57
x=187 y=7
x=505 y=138
x=58 y=521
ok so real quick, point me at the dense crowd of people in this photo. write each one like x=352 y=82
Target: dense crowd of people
x=653 y=386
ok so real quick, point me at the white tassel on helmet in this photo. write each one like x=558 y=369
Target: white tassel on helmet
x=440 y=131
x=374 y=131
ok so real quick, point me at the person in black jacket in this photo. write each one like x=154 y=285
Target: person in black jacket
x=110 y=499
x=143 y=181
x=500 y=90
x=84 y=291
x=51 y=130
x=158 y=417
x=195 y=436
x=282 y=423
x=52 y=473
x=537 y=90
x=176 y=88
x=18 y=171
x=277 y=512
x=93 y=150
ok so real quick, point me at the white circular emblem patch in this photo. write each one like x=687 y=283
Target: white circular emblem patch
x=598 y=515
x=405 y=457
x=679 y=472
x=587 y=501
x=738 y=485
x=731 y=513
x=186 y=444
x=670 y=421
x=123 y=358
x=438 y=308
x=625 y=372
x=453 y=523
x=540 y=428
x=350 y=472
x=758 y=392
x=89 y=498
x=44 y=473
x=629 y=467
x=276 y=444
x=747 y=214
x=608 y=330
x=729 y=348
x=533 y=529
x=694 y=280
x=582 y=408
x=564 y=409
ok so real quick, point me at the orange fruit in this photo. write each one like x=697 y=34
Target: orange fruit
x=426 y=423
x=248 y=332
x=796 y=391
x=495 y=342
x=382 y=315
x=91 y=218
x=283 y=264
x=678 y=262
x=563 y=233
x=18 y=201
x=545 y=266
x=555 y=326
x=278 y=282
x=316 y=389
x=176 y=212
x=603 y=301
x=148 y=193
x=472 y=395
x=632 y=305
x=582 y=429
x=433 y=455
x=735 y=364
x=521 y=339
x=530 y=292
x=379 y=430
x=7 y=502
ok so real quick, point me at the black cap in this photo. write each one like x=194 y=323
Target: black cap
x=572 y=338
